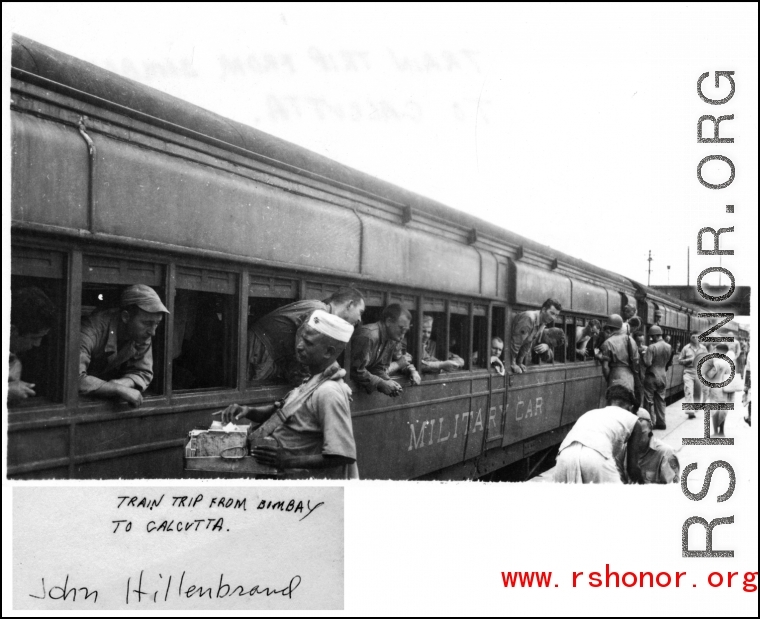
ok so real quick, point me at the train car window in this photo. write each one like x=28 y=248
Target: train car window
x=37 y=342
x=459 y=331
x=575 y=335
x=480 y=343
x=434 y=318
x=104 y=279
x=498 y=320
x=205 y=329
x=374 y=302
x=265 y=295
x=438 y=327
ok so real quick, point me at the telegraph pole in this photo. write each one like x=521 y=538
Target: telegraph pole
x=649 y=270
x=688 y=255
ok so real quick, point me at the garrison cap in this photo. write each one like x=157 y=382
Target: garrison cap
x=331 y=325
x=143 y=297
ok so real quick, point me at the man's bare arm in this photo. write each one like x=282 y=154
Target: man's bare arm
x=274 y=456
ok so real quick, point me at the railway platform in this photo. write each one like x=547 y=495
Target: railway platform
x=679 y=426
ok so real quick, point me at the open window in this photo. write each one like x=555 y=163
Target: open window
x=374 y=302
x=434 y=333
x=104 y=278
x=498 y=339
x=37 y=276
x=205 y=329
x=265 y=295
x=480 y=344
x=459 y=331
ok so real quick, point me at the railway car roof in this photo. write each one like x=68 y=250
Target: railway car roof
x=41 y=65
x=646 y=292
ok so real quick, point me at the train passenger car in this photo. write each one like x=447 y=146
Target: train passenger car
x=114 y=183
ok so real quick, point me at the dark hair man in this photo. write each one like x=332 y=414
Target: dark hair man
x=32 y=318
x=604 y=444
x=527 y=328
x=115 y=353
x=311 y=433
x=585 y=338
x=271 y=341
x=375 y=346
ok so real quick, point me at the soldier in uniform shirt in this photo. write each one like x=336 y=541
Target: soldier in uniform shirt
x=375 y=346
x=657 y=361
x=657 y=460
x=115 y=350
x=527 y=328
x=619 y=354
x=271 y=341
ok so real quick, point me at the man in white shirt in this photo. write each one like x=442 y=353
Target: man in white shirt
x=603 y=445
x=688 y=359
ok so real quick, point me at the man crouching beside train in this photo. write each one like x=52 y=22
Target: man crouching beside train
x=309 y=434
x=604 y=444
x=115 y=354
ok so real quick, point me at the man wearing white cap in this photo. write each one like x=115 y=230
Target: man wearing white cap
x=115 y=353
x=308 y=434
x=271 y=340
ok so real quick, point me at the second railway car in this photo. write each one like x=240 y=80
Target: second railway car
x=114 y=183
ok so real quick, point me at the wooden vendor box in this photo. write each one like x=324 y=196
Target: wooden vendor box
x=222 y=452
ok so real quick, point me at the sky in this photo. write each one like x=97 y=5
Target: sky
x=573 y=125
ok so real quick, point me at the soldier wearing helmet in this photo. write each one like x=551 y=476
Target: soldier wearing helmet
x=657 y=361
x=619 y=354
